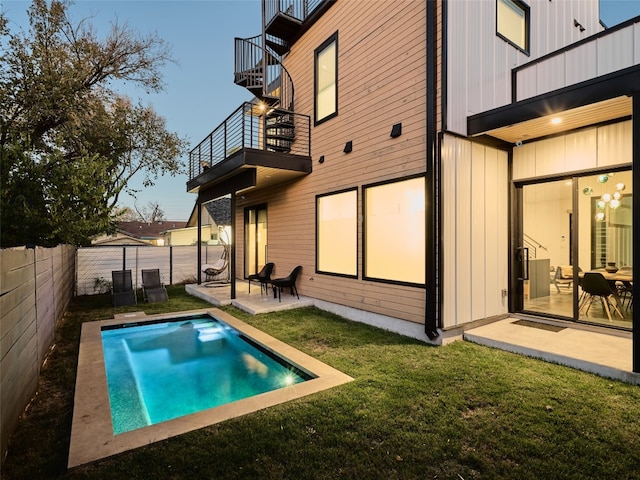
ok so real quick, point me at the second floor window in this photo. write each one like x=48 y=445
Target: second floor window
x=326 y=80
x=512 y=23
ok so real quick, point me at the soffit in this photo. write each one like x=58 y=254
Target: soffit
x=615 y=108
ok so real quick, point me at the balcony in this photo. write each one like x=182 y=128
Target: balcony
x=287 y=19
x=263 y=144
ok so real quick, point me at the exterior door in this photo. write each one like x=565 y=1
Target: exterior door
x=568 y=227
x=255 y=227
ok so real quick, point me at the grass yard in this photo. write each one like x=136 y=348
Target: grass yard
x=461 y=411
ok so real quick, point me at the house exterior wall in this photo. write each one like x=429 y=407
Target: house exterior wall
x=479 y=63
x=475 y=233
x=382 y=81
x=188 y=236
x=603 y=55
x=589 y=148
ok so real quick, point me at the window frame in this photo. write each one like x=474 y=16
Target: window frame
x=332 y=40
x=365 y=188
x=526 y=10
x=355 y=246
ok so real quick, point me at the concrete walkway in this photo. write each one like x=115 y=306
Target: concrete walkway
x=597 y=350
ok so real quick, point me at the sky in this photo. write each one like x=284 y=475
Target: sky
x=199 y=91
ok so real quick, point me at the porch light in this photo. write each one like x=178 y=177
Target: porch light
x=396 y=130
x=348 y=147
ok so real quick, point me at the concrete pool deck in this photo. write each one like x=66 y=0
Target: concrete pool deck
x=92 y=436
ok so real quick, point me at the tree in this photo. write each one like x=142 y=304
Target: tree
x=151 y=213
x=69 y=144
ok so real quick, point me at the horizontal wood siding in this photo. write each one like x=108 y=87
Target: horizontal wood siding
x=382 y=81
x=36 y=286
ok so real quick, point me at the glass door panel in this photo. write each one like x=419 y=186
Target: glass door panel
x=546 y=226
x=605 y=246
x=255 y=249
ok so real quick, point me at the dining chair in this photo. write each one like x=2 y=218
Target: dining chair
x=595 y=286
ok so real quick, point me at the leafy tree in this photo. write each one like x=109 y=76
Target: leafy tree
x=69 y=144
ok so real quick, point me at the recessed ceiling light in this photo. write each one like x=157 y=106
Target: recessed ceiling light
x=556 y=120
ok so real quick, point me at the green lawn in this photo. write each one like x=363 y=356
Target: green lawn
x=461 y=411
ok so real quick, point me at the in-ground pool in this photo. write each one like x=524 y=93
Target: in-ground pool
x=93 y=432
x=162 y=370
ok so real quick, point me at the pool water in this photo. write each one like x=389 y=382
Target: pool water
x=164 y=370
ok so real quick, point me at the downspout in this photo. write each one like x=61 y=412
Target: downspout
x=431 y=319
x=635 y=161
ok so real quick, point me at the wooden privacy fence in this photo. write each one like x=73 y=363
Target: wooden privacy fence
x=36 y=286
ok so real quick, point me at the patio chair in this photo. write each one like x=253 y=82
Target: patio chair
x=286 y=282
x=153 y=290
x=263 y=276
x=122 y=292
x=216 y=269
x=594 y=285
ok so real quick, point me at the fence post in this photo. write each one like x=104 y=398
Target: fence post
x=170 y=264
x=124 y=258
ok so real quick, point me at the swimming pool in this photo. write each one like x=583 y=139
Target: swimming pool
x=93 y=432
x=157 y=371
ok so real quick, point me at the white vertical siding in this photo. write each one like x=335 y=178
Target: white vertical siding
x=595 y=147
x=615 y=144
x=479 y=63
x=474 y=229
x=605 y=54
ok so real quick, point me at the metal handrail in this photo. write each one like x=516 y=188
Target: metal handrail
x=275 y=82
x=243 y=129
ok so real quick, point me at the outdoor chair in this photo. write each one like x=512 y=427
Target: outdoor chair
x=122 y=292
x=263 y=276
x=216 y=268
x=594 y=285
x=286 y=282
x=153 y=290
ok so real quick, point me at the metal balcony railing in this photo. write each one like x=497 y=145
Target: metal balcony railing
x=298 y=9
x=251 y=126
x=258 y=69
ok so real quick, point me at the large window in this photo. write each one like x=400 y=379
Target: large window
x=326 y=80
x=512 y=23
x=394 y=246
x=337 y=232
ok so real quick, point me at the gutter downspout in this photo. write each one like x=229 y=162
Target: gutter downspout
x=432 y=308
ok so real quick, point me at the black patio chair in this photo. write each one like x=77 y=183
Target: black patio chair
x=153 y=290
x=263 y=276
x=286 y=282
x=122 y=292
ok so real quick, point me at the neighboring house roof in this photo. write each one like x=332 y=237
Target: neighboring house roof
x=149 y=231
x=219 y=210
x=120 y=239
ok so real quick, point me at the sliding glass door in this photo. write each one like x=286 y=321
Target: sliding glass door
x=255 y=242
x=570 y=227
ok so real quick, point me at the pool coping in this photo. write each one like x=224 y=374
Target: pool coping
x=92 y=436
